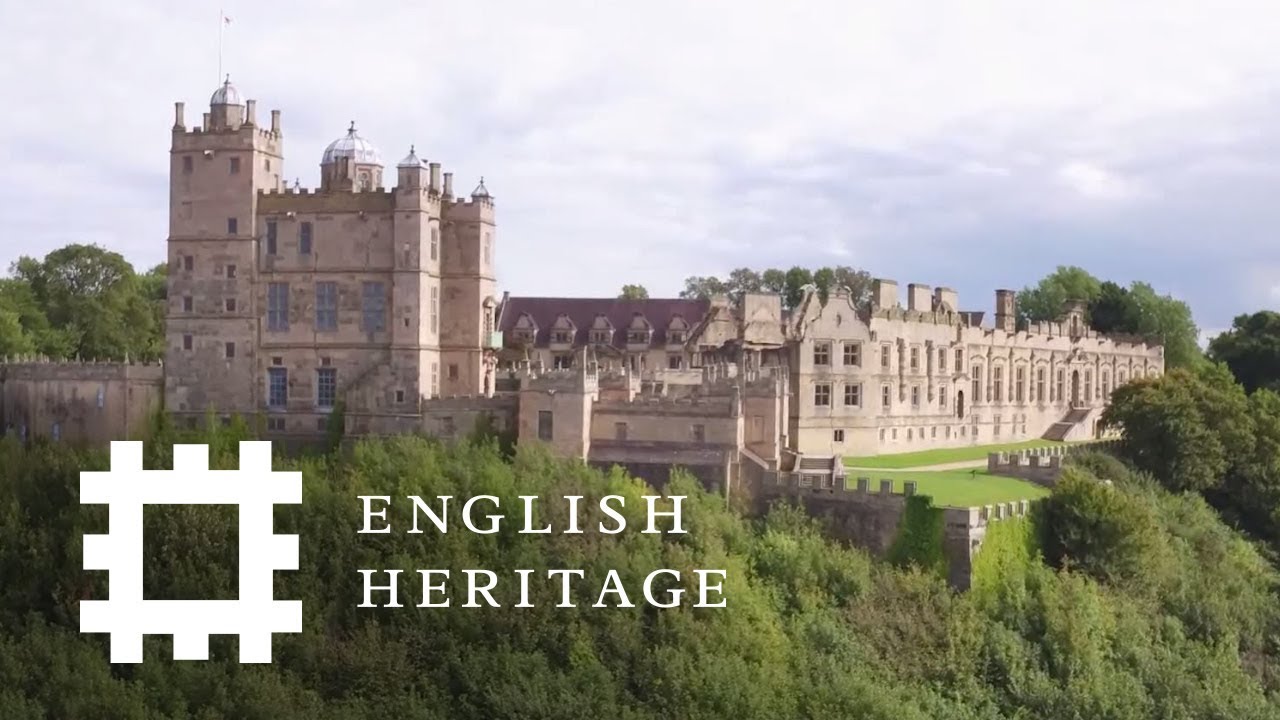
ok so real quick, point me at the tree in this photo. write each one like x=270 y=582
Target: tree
x=1113 y=310
x=825 y=280
x=1251 y=348
x=1251 y=494
x=1045 y=301
x=858 y=283
x=1169 y=321
x=742 y=281
x=1099 y=529
x=1109 y=308
x=790 y=284
x=633 y=292
x=773 y=280
x=1186 y=428
x=793 y=292
x=18 y=298
x=98 y=306
x=703 y=288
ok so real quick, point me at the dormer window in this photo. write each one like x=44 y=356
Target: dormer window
x=637 y=337
x=600 y=337
x=562 y=337
x=675 y=337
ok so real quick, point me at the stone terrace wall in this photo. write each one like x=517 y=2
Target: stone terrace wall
x=455 y=417
x=871 y=520
x=79 y=402
x=1041 y=466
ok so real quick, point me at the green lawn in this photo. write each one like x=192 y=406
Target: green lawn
x=942 y=455
x=956 y=488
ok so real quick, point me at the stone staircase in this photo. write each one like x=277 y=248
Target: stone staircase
x=815 y=463
x=1061 y=430
x=822 y=470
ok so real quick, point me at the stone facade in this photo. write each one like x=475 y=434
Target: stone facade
x=924 y=376
x=290 y=302
x=86 y=403
x=870 y=516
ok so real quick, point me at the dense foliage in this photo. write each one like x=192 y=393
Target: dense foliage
x=82 y=301
x=789 y=283
x=812 y=629
x=1251 y=348
x=1199 y=431
x=1137 y=310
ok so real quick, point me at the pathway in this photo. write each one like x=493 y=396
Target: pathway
x=963 y=465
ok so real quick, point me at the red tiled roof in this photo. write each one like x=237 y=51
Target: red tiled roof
x=583 y=312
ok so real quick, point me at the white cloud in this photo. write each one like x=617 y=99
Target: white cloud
x=1096 y=182
x=643 y=142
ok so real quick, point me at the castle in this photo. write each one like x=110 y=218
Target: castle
x=291 y=303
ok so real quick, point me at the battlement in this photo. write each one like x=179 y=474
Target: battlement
x=690 y=405
x=576 y=380
x=844 y=489
x=45 y=369
x=470 y=203
x=1043 y=465
x=316 y=201
x=470 y=402
x=970 y=518
x=264 y=133
x=473 y=209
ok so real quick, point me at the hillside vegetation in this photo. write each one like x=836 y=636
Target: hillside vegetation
x=1144 y=606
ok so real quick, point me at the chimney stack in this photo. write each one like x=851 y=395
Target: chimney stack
x=250 y=111
x=448 y=185
x=179 y=109
x=275 y=121
x=435 y=176
x=1006 y=310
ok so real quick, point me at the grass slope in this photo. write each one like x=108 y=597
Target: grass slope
x=956 y=488
x=942 y=455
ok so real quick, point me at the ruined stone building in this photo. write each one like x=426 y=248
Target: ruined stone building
x=375 y=293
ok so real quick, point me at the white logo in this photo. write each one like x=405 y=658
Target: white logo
x=254 y=488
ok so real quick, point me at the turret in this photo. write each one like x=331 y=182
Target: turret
x=410 y=172
x=226 y=109
x=350 y=163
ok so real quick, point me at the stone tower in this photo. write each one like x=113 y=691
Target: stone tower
x=416 y=287
x=215 y=173
x=468 y=289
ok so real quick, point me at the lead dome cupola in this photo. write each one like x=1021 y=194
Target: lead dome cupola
x=351 y=145
x=226 y=94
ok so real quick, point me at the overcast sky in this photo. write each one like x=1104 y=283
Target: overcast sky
x=970 y=144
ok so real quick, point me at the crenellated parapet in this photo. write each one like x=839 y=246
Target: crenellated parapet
x=78 y=401
x=1043 y=465
x=59 y=370
x=478 y=403
x=315 y=201
x=574 y=380
x=710 y=406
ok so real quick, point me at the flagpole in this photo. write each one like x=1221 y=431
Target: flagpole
x=222 y=20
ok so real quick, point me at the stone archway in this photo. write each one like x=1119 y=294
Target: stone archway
x=1075 y=388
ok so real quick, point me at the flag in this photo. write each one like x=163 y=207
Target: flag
x=226 y=20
